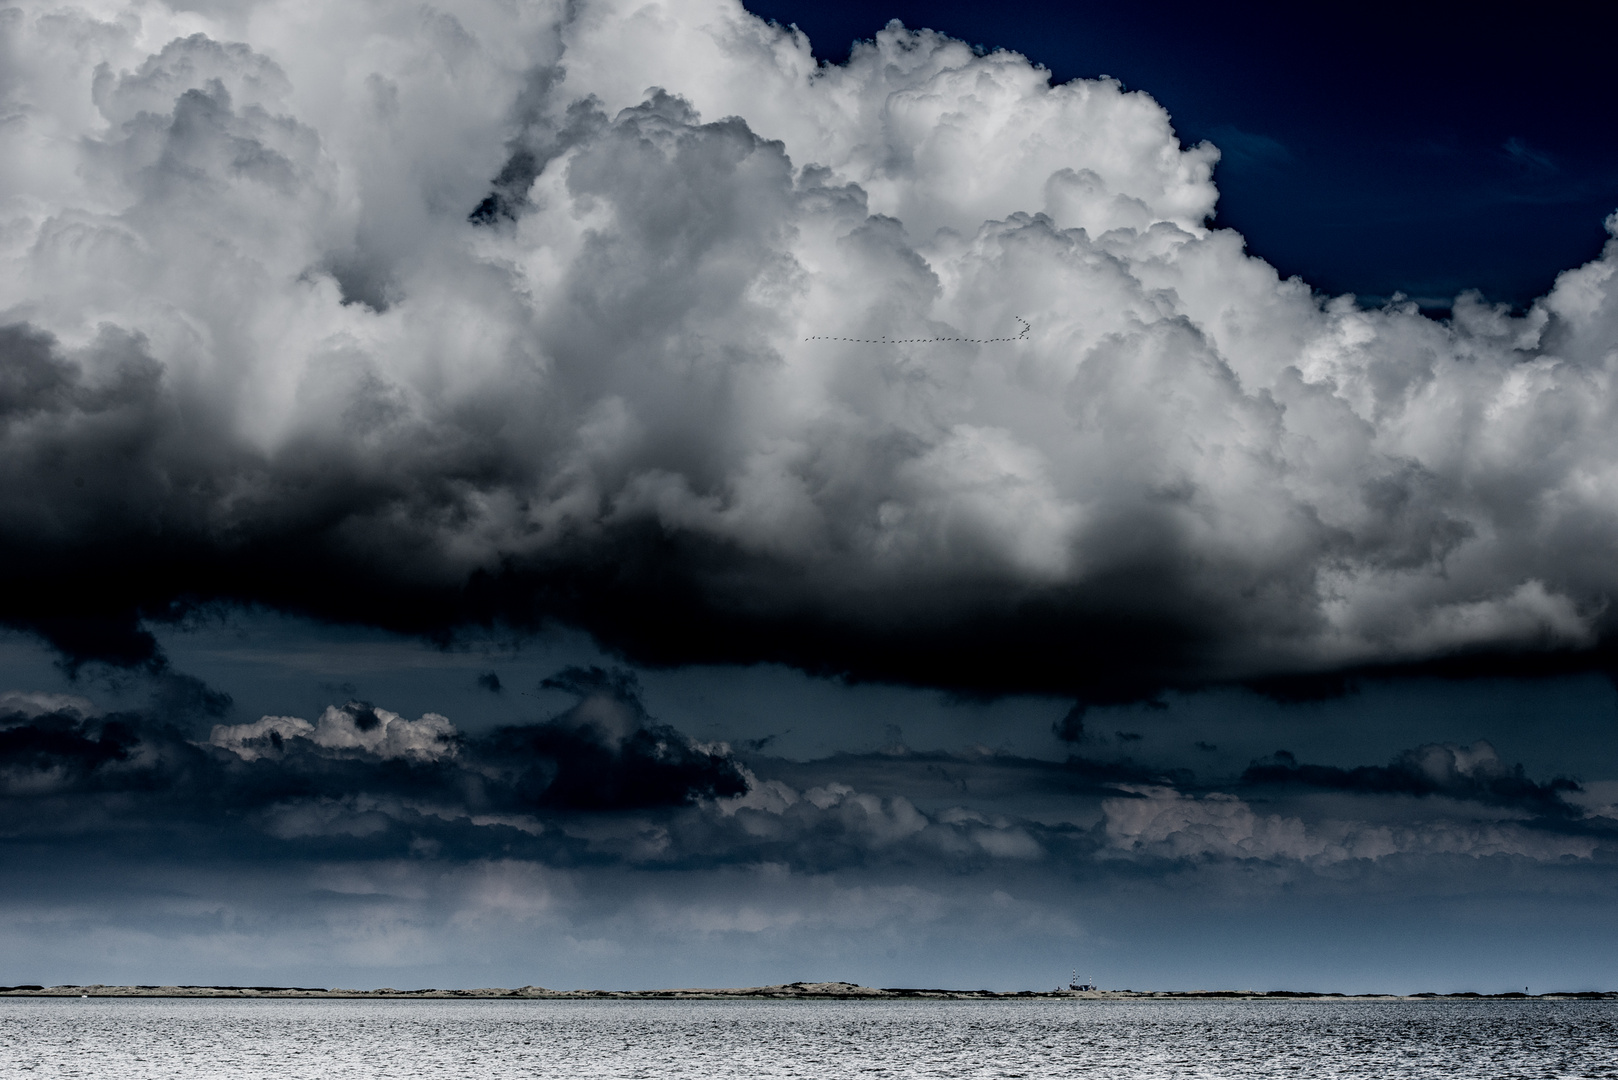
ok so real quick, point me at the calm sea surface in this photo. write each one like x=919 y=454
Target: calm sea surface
x=154 y=1037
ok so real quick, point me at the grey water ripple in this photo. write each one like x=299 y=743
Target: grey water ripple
x=824 y=1040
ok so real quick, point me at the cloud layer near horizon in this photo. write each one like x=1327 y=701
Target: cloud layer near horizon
x=479 y=311
x=604 y=783
x=601 y=844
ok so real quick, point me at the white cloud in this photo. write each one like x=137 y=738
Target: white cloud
x=260 y=738
x=187 y=200
x=353 y=726
x=771 y=810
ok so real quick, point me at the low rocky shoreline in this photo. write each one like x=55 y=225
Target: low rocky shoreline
x=839 y=991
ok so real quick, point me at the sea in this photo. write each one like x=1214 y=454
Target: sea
x=135 y=1038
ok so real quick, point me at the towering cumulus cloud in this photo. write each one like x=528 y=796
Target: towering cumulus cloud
x=419 y=315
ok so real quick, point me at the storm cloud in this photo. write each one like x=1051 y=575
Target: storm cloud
x=357 y=771
x=603 y=783
x=498 y=314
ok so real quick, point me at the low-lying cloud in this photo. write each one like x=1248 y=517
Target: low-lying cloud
x=500 y=314
x=1164 y=824
x=604 y=754
x=1472 y=772
x=603 y=783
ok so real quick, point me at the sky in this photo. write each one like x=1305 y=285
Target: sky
x=1426 y=149
x=627 y=494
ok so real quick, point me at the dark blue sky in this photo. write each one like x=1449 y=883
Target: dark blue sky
x=1368 y=148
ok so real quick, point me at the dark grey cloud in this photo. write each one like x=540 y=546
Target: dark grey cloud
x=1071 y=727
x=1463 y=772
x=603 y=783
x=68 y=750
x=360 y=771
x=606 y=753
x=475 y=329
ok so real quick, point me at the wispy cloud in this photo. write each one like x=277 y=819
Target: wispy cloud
x=1525 y=155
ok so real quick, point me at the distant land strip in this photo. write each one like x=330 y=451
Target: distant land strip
x=838 y=991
